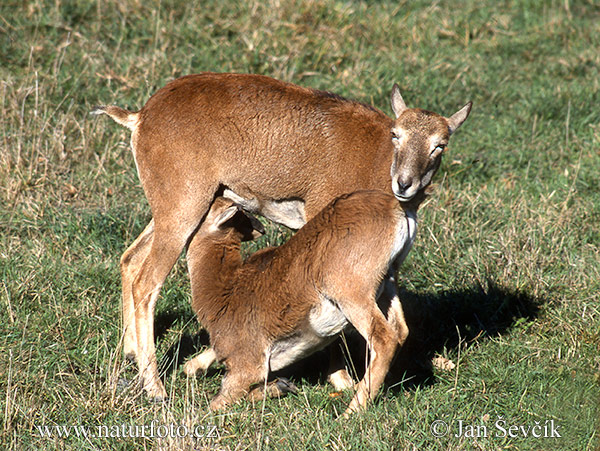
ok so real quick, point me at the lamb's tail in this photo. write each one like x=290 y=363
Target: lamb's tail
x=119 y=115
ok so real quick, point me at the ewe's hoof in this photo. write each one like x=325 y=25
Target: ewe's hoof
x=156 y=394
x=130 y=357
x=340 y=380
x=158 y=399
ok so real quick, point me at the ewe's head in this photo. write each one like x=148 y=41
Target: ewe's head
x=420 y=138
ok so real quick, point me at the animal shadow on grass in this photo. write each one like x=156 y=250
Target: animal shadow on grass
x=452 y=319
x=437 y=321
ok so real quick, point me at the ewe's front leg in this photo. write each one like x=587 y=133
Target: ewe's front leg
x=201 y=362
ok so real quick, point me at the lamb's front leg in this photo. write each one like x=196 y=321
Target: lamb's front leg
x=389 y=303
x=234 y=387
x=274 y=389
x=380 y=337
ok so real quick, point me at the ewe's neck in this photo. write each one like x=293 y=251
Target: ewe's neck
x=414 y=204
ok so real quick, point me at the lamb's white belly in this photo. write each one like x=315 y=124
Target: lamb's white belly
x=326 y=321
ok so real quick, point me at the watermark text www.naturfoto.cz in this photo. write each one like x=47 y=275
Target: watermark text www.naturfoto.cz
x=501 y=428
x=123 y=431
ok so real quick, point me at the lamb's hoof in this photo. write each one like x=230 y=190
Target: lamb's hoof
x=219 y=402
x=189 y=369
x=286 y=386
x=200 y=363
x=355 y=407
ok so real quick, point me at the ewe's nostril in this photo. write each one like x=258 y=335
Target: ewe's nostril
x=404 y=185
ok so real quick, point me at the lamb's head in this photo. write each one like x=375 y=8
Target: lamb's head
x=419 y=138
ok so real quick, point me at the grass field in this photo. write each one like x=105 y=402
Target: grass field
x=504 y=278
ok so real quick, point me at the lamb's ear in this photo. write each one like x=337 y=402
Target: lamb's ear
x=242 y=221
x=258 y=229
x=247 y=225
x=398 y=105
x=226 y=216
x=459 y=117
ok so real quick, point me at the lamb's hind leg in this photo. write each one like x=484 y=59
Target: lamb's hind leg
x=389 y=303
x=237 y=383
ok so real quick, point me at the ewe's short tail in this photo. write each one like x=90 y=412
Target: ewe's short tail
x=119 y=115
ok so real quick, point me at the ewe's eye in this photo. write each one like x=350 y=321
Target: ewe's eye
x=395 y=136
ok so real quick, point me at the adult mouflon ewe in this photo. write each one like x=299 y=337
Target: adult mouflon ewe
x=275 y=148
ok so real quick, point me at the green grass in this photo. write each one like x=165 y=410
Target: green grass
x=504 y=278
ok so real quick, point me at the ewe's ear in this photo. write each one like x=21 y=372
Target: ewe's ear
x=398 y=105
x=459 y=117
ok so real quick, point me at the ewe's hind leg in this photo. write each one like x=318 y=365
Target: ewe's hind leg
x=382 y=343
x=131 y=261
x=146 y=288
x=173 y=225
x=337 y=374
